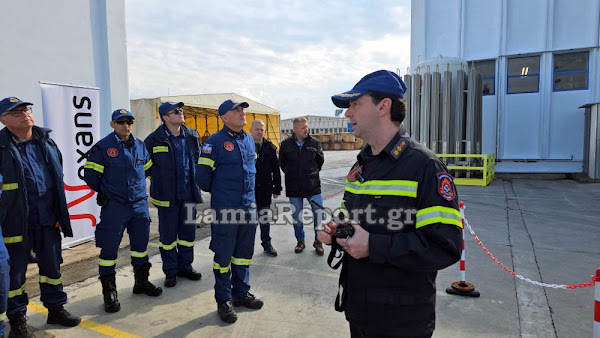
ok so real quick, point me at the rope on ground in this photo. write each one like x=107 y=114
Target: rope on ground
x=525 y=279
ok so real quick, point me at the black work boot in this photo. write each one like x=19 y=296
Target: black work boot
x=226 y=312
x=109 y=290
x=248 y=300
x=18 y=327
x=190 y=274
x=62 y=317
x=170 y=281
x=269 y=249
x=142 y=285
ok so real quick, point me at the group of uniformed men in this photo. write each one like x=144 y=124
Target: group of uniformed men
x=392 y=171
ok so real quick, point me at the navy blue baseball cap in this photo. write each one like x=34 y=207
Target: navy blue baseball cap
x=168 y=106
x=12 y=102
x=381 y=81
x=228 y=105
x=117 y=114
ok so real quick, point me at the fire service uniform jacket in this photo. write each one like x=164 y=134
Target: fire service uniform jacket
x=393 y=290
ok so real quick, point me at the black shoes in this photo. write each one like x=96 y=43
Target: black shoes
x=226 y=312
x=109 y=291
x=189 y=274
x=142 y=285
x=170 y=281
x=18 y=327
x=269 y=250
x=62 y=317
x=248 y=300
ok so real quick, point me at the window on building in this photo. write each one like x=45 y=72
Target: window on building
x=487 y=69
x=571 y=71
x=524 y=75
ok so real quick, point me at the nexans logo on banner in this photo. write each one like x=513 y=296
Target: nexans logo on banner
x=73 y=114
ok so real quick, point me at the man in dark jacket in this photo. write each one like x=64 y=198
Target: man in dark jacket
x=116 y=168
x=33 y=211
x=174 y=151
x=268 y=181
x=301 y=158
x=403 y=207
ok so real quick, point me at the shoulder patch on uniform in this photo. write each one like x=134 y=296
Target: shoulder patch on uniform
x=399 y=148
x=356 y=170
x=112 y=152
x=228 y=145
x=446 y=186
x=207 y=148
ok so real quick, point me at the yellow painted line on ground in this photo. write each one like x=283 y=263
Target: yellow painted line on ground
x=86 y=323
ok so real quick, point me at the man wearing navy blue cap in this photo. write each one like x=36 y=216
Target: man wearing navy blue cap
x=175 y=151
x=116 y=168
x=33 y=211
x=413 y=228
x=228 y=172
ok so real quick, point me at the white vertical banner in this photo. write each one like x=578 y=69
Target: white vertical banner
x=73 y=114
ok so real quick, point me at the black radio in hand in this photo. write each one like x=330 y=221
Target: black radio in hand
x=343 y=230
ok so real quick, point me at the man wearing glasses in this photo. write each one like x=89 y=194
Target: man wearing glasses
x=174 y=151
x=116 y=168
x=33 y=211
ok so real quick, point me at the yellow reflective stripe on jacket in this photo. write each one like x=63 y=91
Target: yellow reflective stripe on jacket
x=222 y=269
x=95 y=166
x=138 y=254
x=443 y=215
x=17 y=292
x=383 y=187
x=185 y=243
x=10 y=186
x=343 y=208
x=167 y=246
x=240 y=261
x=51 y=281
x=107 y=262
x=206 y=161
x=160 y=203
x=2 y=316
x=160 y=149
x=13 y=239
x=148 y=165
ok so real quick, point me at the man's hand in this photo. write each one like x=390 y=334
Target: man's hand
x=275 y=196
x=102 y=199
x=328 y=230
x=356 y=246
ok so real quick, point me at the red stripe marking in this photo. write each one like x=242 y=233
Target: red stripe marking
x=597 y=311
x=462 y=265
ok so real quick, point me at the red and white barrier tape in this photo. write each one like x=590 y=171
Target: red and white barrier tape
x=525 y=279
x=596 y=279
x=334 y=194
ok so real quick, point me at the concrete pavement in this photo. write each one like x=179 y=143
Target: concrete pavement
x=546 y=230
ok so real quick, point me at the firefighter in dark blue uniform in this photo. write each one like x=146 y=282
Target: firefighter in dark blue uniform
x=402 y=204
x=116 y=168
x=4 y=277
x=228 y=172
x=174 y=191
x=33 y=211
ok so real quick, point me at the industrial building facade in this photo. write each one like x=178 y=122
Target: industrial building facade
x=539 y=60
x=318 y=124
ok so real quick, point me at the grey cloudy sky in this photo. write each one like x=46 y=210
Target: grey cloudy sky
x=290 y=55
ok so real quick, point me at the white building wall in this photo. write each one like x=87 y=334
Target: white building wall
x=529 y=132
x=78 y=42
